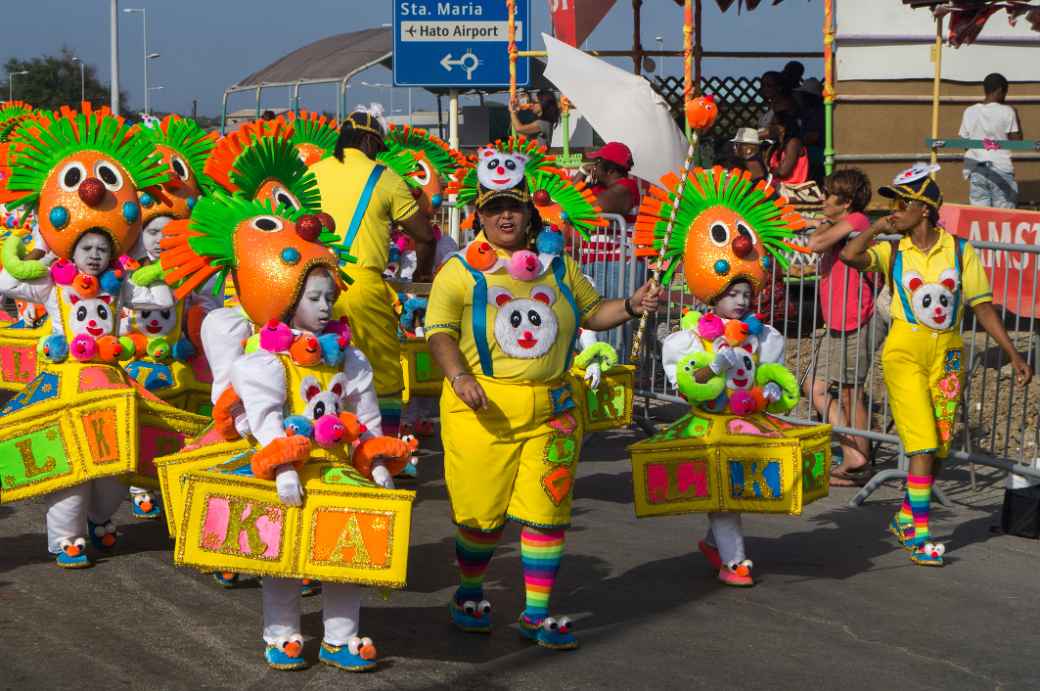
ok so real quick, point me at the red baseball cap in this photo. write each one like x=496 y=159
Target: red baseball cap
x=615 y=152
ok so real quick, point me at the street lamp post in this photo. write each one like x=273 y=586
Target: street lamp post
x=660 y=46
x=82 y=81
x=147 y=56
x=389 y=89
x=10 y=82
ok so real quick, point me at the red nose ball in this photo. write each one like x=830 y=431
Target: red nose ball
x=308 y=227
x=328 y=221
x=542 y=198
x=92 y=192
x=742 y=246
x=416 y=192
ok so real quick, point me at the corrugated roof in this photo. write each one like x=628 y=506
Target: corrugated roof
x=330 y=59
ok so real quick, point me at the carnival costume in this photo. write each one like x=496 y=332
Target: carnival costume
x=82 y=421
x=729 y=454
x=515 y=318
x=306 y=398
x=923 y=353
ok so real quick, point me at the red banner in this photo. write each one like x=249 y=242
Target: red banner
x=1012 y=274
x=574 y=20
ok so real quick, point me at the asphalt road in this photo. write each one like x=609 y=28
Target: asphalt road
x=837 y=605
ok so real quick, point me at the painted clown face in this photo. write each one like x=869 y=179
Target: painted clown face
x=720 y=248
x=430 y=187
x=92 y=316
x=179 y=193
x=88 y=191
x=525 y=328
x=499 y=170
x=155 y=322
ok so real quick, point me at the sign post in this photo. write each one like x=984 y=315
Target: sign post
x=453 y=142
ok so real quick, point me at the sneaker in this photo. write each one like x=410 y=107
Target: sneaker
x=358 y=655
x=144 y=507
x=904 y=532
x=928 y=554
x=286 y=655
x=409 y=472
x=471 y=616
x=226 y=579
x=309 y=588
x=73 y=554
x=711 y=553
x=102 y=536
x=737 y=574
x=550 y=632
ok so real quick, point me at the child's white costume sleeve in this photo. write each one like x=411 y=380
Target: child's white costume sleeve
x=360 y=391
x=677 y=346
x=204 y=296
x=223 y=331
x=30 y=291
x=157 y=296
x=772 y=346
x=587 y=338
x=259 y=380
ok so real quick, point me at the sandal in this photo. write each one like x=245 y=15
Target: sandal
x=845 y=478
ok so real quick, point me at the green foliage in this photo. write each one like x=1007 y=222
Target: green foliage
x=53 y=81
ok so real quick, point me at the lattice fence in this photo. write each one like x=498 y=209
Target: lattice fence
x=737 y=98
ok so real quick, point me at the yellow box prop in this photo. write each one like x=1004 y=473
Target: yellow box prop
x=609 y=406
x=345 y=532
x=706 y=462
x=18 y=364
x=422 y=375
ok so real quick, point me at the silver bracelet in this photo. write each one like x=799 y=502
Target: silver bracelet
x=460 y=374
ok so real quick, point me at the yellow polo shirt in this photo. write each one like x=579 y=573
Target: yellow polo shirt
x=974 y=284
x=451 y=312
x=341 y=185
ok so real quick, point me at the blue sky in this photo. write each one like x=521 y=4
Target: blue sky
x=207 y=45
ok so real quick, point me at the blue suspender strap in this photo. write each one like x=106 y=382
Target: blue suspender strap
x=480 y=305
x=958 y=260
x=897 y=281
x=362 y=206
x=560 y=272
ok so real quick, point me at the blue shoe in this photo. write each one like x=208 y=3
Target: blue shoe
x=73 y=555
x=102 y=536
x=287 y=655
x=902 y=532
x=470 y=616
x=551 y=633
x=226 y=579
x=359 y=655
x=309 y=588
x=928 y=554
x=409 y=472
x=145 y=507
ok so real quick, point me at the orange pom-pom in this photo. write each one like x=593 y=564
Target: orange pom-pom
x=85 y=285
x=759 y=398
x=305 y=350
x=481 y=255
x=368 y=652
x=735 y=332
x=701 y=112
x=109 y=349
x=140 y=342
x=354 y=427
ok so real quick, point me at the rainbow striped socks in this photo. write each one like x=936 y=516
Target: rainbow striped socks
x=390 y=415
x=473 y=550
x=540 y=552
x=919 y=496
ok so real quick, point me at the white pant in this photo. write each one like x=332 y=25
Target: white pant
x=341 y=608
x=68 y=509
x=725 y=533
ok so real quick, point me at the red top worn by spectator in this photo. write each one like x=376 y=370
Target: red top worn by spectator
x=610 y=180
x=846 y=295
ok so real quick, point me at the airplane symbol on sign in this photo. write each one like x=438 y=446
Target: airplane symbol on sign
x=410 y=31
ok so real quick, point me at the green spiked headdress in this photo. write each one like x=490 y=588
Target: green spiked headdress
x=190 y=141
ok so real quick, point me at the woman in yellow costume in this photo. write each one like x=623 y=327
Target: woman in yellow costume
x=934 y=275
x=79 y=423
x=306 y=394
x=502 y=323
x=726 y=233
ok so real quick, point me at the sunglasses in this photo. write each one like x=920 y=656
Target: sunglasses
x=501 y=205
x=900 y=204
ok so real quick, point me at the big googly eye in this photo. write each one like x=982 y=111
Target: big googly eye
x=515 y=318
x=283 y=197
x=319 y=409
x=534 y=318
x=267 y=224
x=71 y=175
x=748 y=363
x=492 y=164
x=744 y=230
x=81 y=313
x=719 y=234
x=145 y=314
x=165 y=314
x=109 y=174
x=423 y=174
x=180 y=168
x=102 y=312
x=511 y=164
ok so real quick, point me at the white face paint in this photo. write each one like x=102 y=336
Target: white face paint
x=735 y=303
x=525 y=328
x=93 y=316
x=314 y=309
x=155 y=322
x=92 y=254
x=933 y=302
x=152 y=235
x=498 y=170
x=323 y=402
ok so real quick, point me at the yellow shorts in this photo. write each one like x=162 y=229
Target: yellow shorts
x=924 y=377
x=516 y=460
x=373 y=328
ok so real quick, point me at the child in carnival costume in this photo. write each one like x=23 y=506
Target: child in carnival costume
x=83 y=170
x=502 y=324
x=934 y=277
x=313 y=135
x=306 y=394
x=726 y=234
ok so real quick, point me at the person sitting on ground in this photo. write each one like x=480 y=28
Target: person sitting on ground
x=788 y=159
x=853 y=329
x=607 y=175
x=990 y=173
x=547 y=116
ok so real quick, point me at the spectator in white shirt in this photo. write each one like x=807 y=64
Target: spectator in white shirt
x=989 y=171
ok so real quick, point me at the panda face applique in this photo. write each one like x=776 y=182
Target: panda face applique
x=743 y=375
x=525 y=328
x=92 y=316
x=933 y=303
x=500 y=170
x=320 y=401
x=155 y=322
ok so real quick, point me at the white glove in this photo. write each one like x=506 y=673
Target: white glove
x=725 y=360
x=772 y=392
x=48 y=258
x=593 y=374
x=381 y=476
x=287 y=482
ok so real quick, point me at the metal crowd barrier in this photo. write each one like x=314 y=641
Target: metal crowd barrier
x=997 y=419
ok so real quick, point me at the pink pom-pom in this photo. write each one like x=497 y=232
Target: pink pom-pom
x=524 y=265
x=710 y=326
x=63 y=272
x=741 y=402
x=329 y=430
x=83 y=347
x=342 y=329
x=276 y=337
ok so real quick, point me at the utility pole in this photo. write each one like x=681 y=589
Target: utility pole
x=114 y=54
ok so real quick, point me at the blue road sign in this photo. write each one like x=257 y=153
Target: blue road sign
x=459 y=44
